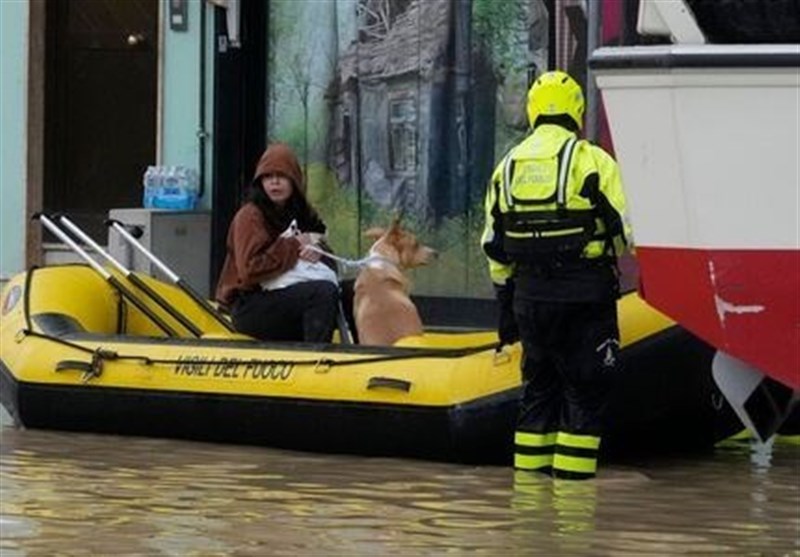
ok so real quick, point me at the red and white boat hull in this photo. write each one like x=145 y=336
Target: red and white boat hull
x=708 y=140
x=744 y=302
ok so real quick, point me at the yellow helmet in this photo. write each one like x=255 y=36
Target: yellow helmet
x=554 y=93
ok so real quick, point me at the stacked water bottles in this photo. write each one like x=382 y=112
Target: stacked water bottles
x=170 y=187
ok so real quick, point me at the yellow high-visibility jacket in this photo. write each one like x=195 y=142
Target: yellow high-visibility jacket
x=553 y=194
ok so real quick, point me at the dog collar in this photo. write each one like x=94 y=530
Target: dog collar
x=380 y=260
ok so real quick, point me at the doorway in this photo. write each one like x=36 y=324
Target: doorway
x=101 y=64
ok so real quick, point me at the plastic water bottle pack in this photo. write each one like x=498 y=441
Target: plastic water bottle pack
x=170 y=187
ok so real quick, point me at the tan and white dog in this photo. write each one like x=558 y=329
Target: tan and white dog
x=382 y=307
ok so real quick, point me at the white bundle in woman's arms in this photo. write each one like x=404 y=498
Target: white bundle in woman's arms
x=303 y=270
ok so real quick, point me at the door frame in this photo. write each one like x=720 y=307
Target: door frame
x=41 y=22
x=239 y=126
x=35 y=144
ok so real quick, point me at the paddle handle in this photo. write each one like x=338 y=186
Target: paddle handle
x=172 y=276
x=111 y=279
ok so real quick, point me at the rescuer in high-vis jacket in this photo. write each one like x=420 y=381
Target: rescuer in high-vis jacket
x=555 y=225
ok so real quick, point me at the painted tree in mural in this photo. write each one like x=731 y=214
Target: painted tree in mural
x=375 y=17
x=301 y=58
x=300 y=80
x=513 y=35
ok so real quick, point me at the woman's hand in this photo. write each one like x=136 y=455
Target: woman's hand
x=307 y=253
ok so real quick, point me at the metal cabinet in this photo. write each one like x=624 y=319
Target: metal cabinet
x=180 y=239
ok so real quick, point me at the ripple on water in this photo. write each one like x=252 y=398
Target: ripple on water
x=91 y=494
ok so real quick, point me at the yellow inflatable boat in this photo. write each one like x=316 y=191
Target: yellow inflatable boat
x=77 y=355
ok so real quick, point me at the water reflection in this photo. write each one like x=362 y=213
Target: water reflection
x=75 y=494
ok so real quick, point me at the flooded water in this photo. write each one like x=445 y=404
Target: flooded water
x=79 y=494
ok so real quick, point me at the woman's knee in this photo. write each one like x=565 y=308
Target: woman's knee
x=326 y=293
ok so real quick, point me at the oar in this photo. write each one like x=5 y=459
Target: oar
x=138 y=282
x=111 y=279
x=178 y=281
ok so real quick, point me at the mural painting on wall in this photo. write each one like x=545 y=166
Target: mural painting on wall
x=403 y=107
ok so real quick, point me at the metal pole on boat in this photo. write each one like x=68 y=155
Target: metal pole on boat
x=111 y=279
x=128 y=274
x=178 y=281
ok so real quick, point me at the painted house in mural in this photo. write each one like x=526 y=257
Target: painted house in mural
x=400 y=101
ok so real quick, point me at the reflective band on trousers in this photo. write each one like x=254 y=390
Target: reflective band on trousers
x=526 y=439
x=578 y=441
x=576 y=453
x=580 y=464
x=534 y=451
x=532 y=461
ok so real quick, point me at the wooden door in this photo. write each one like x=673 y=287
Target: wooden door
x=100 y=106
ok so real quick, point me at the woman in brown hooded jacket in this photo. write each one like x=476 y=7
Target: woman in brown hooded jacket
x=259 y=250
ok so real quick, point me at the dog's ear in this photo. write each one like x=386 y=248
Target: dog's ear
x=374 y=233
x=395 y=228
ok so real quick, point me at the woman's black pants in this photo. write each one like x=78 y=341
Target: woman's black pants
x=305 y=311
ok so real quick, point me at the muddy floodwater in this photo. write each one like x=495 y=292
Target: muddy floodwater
x=80 y=494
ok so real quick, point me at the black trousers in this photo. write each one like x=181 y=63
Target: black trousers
x=305 y=311
x=570 y=363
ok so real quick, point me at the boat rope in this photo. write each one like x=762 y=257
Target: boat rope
x=100 y=353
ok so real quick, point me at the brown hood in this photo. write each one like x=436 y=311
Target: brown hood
x=280 y=158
